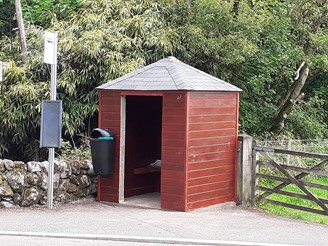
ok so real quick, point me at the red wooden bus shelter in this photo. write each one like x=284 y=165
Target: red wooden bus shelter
x=176 y=131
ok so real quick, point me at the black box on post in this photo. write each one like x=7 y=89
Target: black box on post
x=51 y=124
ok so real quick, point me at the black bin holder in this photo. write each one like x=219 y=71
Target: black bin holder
x=102 y=151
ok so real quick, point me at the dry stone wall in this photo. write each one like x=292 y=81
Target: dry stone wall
x=25 y=184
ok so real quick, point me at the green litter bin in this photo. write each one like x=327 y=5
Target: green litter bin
x=102 y=151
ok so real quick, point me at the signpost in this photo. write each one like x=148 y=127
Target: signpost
x=50 y=49
x=50 y=57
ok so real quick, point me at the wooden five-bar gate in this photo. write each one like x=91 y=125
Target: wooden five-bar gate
x=271 y=172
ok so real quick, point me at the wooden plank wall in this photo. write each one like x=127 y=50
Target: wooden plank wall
x=110 y=118
x=211 y=153
x=173 y=173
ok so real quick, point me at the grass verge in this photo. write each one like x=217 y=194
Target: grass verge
x=294 y=213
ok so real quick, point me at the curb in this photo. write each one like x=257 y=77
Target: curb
x=136 y=239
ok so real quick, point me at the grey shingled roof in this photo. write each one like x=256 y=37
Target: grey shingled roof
x=168 y=74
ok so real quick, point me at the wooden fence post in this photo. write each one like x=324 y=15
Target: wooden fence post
x=246 y=172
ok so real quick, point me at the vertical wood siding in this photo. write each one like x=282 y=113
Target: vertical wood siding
x=173 y=173
x=110 y=118
x=211 y=150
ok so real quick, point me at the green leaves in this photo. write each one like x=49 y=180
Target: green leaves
x=7 y=22
x=258 y=48
x=43 y=12
x=215 y=40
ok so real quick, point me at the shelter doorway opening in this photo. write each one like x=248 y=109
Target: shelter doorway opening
x=143 y=144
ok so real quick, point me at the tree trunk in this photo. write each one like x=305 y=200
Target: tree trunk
x=292 y=97
x=21 y=30
x=235 y=8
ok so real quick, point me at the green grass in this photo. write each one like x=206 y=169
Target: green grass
x=314 y=146
x=293 y=213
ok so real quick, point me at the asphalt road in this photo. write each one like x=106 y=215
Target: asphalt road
x=91 y=223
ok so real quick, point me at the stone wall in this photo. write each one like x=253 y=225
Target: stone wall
x=25 y=184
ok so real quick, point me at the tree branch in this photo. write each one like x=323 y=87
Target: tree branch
x=293 y=97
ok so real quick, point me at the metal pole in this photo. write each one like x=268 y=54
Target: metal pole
x=0 y=71
x=53 y=82
x=52 y=150
x=50 y=193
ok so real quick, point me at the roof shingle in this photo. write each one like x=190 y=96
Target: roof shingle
x=168 y=74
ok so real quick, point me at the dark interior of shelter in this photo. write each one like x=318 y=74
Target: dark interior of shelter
x=143 y=138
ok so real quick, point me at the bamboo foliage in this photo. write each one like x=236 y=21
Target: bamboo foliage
x=102 y=42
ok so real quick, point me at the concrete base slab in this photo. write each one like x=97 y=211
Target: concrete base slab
x=150 y=200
